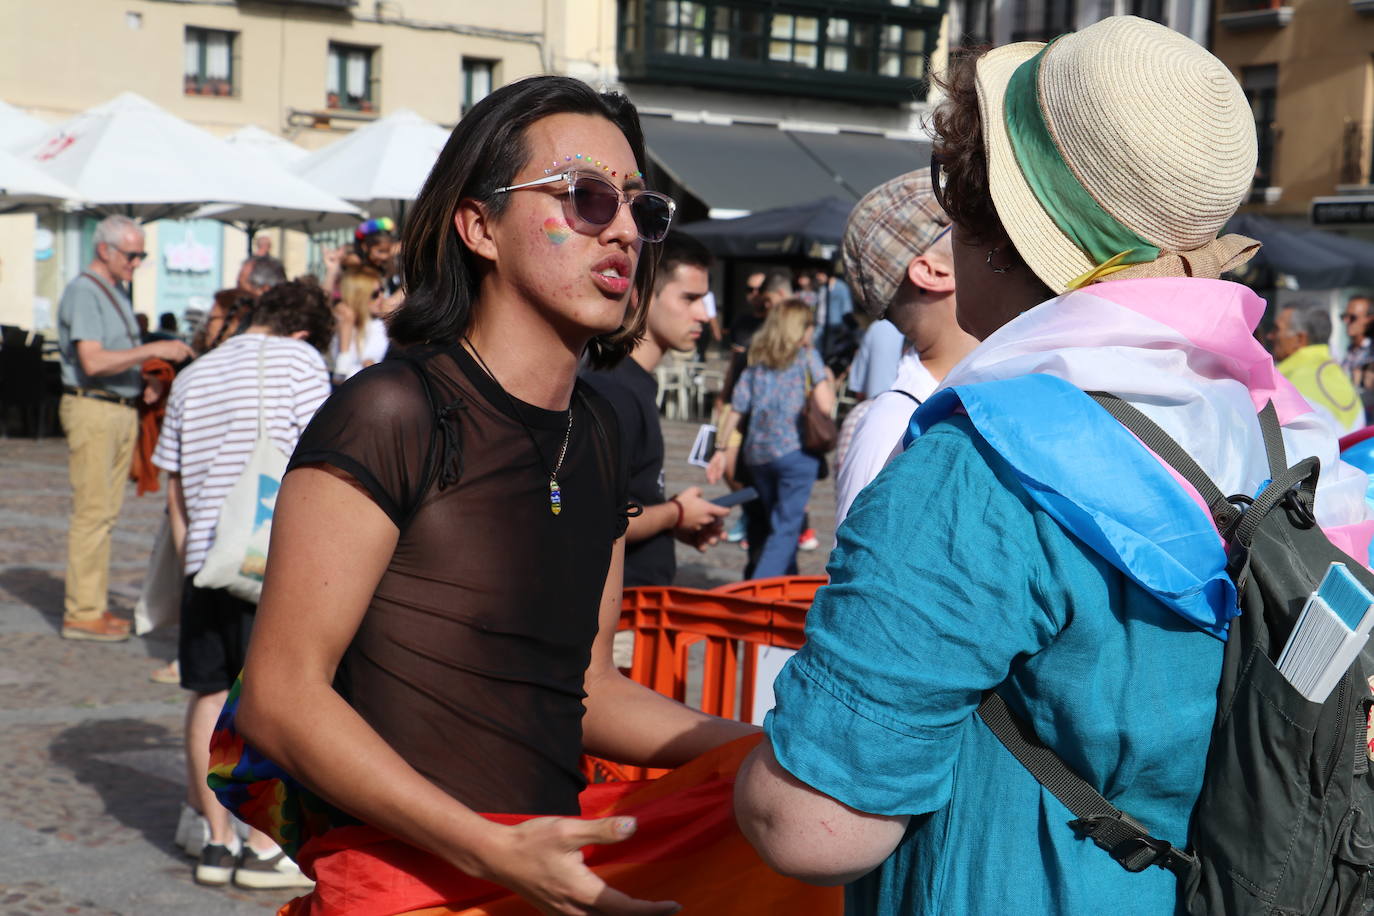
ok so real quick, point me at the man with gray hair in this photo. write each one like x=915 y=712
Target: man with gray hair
x=101 y=382
x=1299 y=341
x=259 y=274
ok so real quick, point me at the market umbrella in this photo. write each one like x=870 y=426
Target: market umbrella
x=24 y=185
x=279 y=149
x=810 y=230
x=18 y=126
x=129 y=156
x=380 y=167
x=295 y=202
x=1313 y=264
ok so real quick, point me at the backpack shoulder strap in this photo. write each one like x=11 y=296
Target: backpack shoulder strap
x=1124 y=838
x=1224 y=512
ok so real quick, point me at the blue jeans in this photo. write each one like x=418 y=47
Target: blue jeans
x=784 y=486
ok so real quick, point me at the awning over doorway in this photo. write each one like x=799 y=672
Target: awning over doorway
x=1314 y=258
x=743 y=167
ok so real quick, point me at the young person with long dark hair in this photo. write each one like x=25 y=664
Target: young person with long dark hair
x=434 y=637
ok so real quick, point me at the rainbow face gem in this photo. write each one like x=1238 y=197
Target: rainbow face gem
x=604 y=166
x=557 y=230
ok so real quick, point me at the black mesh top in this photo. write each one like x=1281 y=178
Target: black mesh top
x=470 y=659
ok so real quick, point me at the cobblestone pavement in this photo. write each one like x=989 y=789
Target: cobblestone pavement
x=91 y=749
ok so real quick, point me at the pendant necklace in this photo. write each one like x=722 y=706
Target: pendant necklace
x=555 y=491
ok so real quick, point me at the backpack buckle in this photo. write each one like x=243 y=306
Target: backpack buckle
x=1128 y=842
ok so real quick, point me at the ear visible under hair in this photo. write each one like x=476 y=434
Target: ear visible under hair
x=472 y=222
x=931 y=273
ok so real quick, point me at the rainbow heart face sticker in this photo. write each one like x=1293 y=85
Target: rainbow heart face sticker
x=557 y=230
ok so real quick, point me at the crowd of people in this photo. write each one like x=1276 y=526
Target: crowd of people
x=469 y=470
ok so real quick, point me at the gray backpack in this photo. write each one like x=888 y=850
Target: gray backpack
x=1285 y=820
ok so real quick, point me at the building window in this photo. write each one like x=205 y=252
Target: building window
x=1261 y=85
x=209 y=61
x=1153 y=10
x=975 y=23
x=794 y=40
x=479 y=78
x=349 y=82
x=796 y=46
x=1043 y=20
x=680 y=28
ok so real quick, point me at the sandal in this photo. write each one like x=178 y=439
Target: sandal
x=169 y=673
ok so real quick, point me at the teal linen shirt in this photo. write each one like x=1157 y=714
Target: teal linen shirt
x=948 y=581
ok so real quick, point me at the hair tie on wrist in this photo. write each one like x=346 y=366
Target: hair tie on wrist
x=674 y=501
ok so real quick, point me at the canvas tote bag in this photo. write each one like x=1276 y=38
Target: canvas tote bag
x=238 y=555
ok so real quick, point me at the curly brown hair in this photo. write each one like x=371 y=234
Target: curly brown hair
x=958 y=128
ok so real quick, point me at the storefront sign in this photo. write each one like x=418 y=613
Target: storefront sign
x=1343 y=211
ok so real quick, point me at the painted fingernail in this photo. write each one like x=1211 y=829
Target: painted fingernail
x=626 y=826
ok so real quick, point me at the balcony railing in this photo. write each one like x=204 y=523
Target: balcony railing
x=1255 y=14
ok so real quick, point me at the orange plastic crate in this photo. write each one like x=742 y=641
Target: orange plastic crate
x=731 y=621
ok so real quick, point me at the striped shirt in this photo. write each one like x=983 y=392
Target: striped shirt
x=212 y=421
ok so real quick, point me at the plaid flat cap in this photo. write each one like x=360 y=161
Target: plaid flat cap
x=892 y=224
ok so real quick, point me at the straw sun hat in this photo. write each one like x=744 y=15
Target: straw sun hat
x=1117 y=151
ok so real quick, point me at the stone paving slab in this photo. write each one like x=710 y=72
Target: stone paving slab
x=91 y=749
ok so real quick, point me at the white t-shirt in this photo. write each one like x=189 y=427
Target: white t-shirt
x=373 y=349
x=879 y=434
x=212 y=421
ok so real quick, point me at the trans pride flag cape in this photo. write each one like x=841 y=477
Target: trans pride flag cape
x=1183 y=351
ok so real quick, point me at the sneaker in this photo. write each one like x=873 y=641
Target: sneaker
x=193 y=831
x=269 y=870
x=808 y=540
x=216 y=865
x=736 y=532
x=105 y=628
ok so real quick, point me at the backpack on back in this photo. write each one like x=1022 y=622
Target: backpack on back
x=1284 y=823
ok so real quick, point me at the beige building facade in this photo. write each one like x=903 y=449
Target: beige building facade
x=775 y=84
x=1307 y=67
x=306 y=70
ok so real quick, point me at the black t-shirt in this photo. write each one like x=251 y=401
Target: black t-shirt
x=634 y=395
x=743 y=328
x=470 y=659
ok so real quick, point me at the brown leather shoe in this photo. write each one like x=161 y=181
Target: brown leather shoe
x=105 y=628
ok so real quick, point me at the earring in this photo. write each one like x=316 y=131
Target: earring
x=999 y=270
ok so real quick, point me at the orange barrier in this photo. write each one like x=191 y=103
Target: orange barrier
x=731 y=621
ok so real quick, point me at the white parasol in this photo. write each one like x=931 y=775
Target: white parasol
x=129 y=156
x=24 y=185
x=379 y=167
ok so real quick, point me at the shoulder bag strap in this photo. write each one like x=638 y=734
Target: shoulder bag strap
x=262 y=395
x=907 y=394
x=123 y=316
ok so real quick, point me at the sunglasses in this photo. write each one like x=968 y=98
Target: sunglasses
x=937 y=180
x=754 y=289
x=133 y=256
x=595 y=202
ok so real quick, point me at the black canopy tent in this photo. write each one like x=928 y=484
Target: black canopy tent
x=1314 y=258
x=798 y=232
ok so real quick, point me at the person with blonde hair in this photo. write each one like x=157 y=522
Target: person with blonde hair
x=783 y=371
x=360 y=337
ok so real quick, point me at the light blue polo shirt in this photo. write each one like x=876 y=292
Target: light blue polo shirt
x=948 y=581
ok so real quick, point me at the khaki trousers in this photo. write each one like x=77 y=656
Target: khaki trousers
x=100 y=435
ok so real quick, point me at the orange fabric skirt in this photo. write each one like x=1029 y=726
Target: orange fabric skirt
x=687 y=848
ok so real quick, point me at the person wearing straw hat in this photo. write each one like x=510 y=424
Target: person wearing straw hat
x=1025 y=542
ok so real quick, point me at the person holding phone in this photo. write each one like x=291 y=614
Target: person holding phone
x=677 y=313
